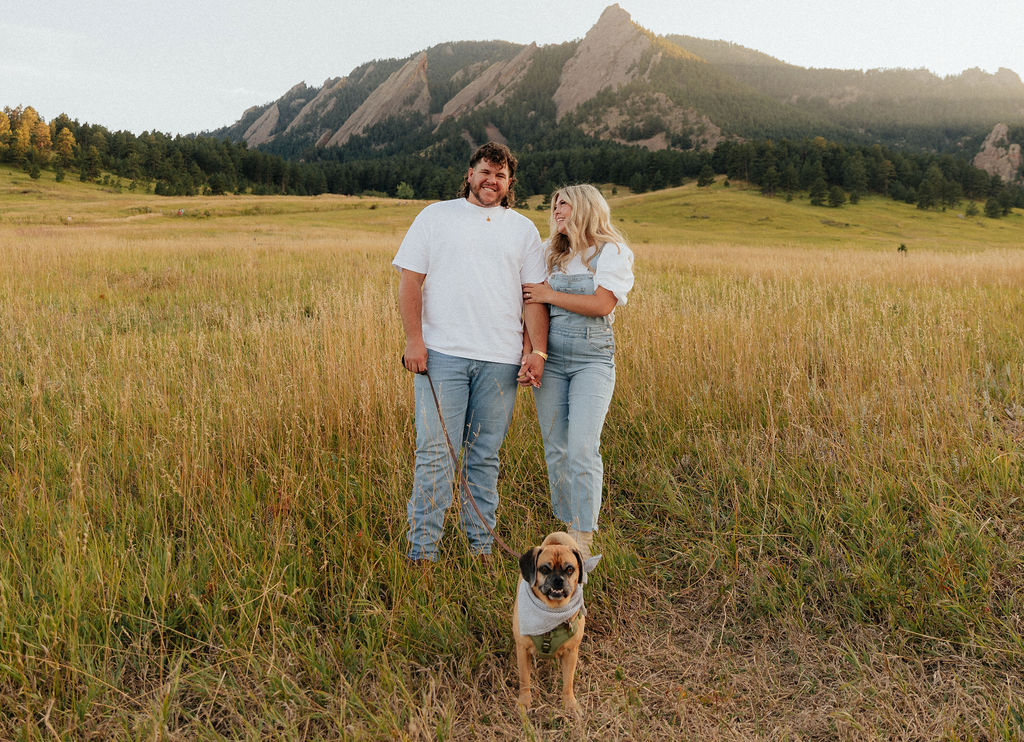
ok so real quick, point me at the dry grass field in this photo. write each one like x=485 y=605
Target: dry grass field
x=813 y=525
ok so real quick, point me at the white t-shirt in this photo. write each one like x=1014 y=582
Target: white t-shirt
x=613 y=268
x=476 y=260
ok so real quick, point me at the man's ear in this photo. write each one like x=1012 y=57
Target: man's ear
x=528 y=564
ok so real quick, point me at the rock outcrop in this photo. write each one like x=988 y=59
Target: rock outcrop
x=405 y=91
x=262 y=129
x=321 y=105
x=490 y=87
x=613 y=121
x=999 y=157
x=607 y=57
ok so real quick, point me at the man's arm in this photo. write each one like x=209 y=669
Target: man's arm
x=410 y=306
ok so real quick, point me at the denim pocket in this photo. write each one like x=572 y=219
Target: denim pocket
x=603 y=341
x=573 y=283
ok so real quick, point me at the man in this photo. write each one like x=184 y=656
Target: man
x=463 y=263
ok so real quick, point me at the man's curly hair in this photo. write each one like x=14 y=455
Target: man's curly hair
x=499 y=155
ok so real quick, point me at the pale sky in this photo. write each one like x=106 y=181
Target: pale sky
x=195 y=65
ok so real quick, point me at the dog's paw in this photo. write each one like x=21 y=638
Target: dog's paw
x=571 y=706
x=524 y=700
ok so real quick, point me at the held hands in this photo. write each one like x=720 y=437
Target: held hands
x=533 y=362
x=531 y=370
x=537 y=293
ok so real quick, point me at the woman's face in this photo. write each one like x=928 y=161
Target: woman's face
x=562 y=212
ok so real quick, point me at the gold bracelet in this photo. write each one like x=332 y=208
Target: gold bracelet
x=541 y=353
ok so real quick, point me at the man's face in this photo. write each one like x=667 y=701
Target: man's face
x=488 y=183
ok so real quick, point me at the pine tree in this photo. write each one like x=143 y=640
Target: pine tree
x=770 y=181
x=65 y=148
x=789 y=180
x=818 y=192
x=21 y=142
x=855 y=175
x=926 y=197
x=89 y=164
x=41 y=137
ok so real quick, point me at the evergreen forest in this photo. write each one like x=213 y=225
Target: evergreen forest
x=398 y=158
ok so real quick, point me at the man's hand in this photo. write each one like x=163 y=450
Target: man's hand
x=415 y=357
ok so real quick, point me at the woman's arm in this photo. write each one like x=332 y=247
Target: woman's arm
x=599 y=304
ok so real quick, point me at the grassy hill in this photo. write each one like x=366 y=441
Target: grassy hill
x=685 y=215
x=814 y=459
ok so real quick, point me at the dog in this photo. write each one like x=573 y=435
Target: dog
x=549 y=617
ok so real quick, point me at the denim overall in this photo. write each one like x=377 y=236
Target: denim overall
x=572 y=402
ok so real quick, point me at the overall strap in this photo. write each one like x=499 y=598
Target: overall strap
x=593 y=260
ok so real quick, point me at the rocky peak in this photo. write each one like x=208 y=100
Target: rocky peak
x=606 y=57
x=405 y=91
x=320 y=105
x=492 y=86
x=998 y=156
x=262 y=129
x=1008 y=78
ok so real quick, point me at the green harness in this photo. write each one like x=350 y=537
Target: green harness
x=549 y=643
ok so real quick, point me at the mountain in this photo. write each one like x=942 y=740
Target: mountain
x=622 y=83
x=876 y=103
x=998 y=156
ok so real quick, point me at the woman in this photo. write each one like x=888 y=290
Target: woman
x=590 y=271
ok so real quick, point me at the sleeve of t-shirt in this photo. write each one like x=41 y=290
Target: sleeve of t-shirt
x=615 y=270
x=414 y=253
x=534 y=269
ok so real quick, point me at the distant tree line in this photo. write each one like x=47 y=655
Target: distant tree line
x=153 y=162
x=833 y=173
x=396 y=158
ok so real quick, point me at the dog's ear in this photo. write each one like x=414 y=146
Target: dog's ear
x=579 y=562
x=528 y=564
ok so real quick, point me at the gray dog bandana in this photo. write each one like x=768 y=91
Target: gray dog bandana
x=536 y=618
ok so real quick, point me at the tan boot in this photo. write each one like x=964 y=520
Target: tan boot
x=584 y=539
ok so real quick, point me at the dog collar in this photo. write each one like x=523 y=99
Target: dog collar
x=549 y=643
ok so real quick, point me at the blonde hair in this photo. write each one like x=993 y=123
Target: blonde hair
x=590 y=223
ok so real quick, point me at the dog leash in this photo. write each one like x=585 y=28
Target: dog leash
x=463 y=482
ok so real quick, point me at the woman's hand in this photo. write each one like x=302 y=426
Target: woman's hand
x=531 y=369
x=538 y=293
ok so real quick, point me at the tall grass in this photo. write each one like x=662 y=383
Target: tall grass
x=847 y=427
x=813 y=455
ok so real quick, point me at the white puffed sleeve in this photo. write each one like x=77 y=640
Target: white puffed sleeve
x=614 y=270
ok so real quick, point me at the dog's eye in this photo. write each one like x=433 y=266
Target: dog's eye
x=545 y=570
x=570 y=569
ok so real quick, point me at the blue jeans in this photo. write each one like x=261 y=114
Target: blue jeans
x=476 y=399
x=572 y=402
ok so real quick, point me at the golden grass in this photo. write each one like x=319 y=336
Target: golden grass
x=812 y=522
